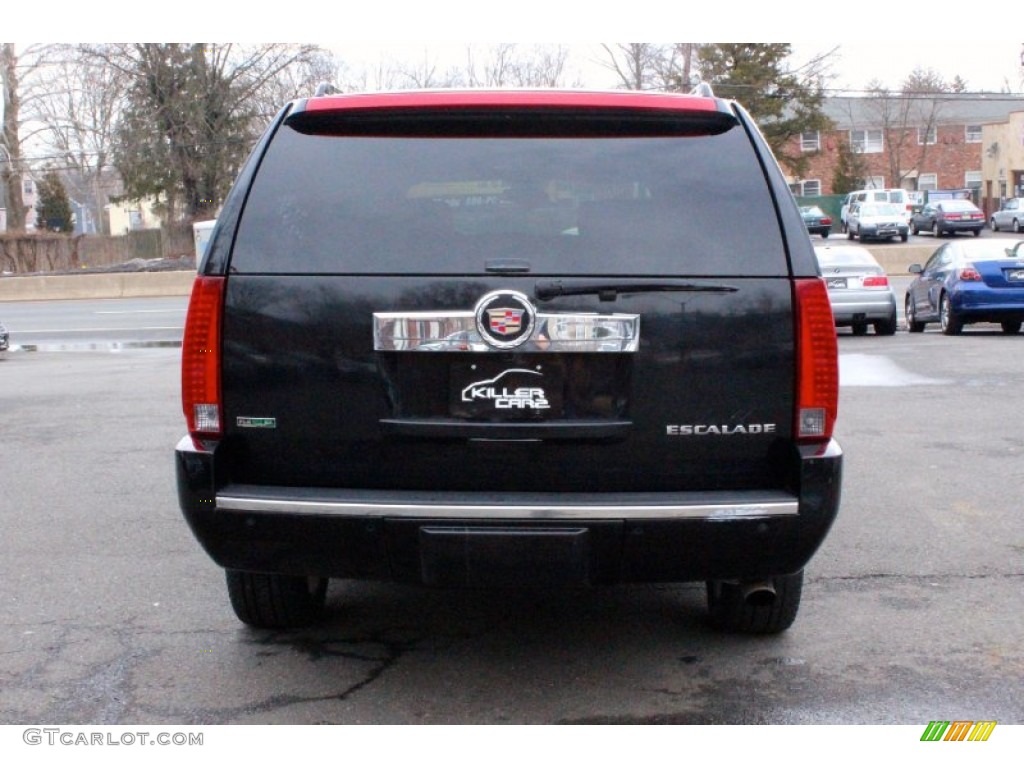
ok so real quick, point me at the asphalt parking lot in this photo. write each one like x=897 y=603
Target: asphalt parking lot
x=112 y=613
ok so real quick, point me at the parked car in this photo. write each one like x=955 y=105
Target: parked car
x=816 y=220
x=876 y=221
x=1009 y=216
x=858 y=289
x=334 y=432
x=948 y=217
x=5 y=339
x=968 y=282
x=901 y=197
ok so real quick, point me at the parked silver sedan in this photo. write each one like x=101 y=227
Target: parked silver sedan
x=858 y=289
x=876 y=221
x=1009 y=216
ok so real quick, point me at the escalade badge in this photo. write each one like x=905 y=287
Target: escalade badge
x=505 y=319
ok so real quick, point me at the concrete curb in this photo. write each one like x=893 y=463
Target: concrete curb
x=895 y=259
x=109 y=285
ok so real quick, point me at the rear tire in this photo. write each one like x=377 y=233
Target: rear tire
x=992 y=223
x=728 y=611
x=1016 y=226
x=950 y=324
x=936 y=232
x=914 y=230
x=860 y=329
x=913 y=324
x=276 y=601
x=1010 y=326
x=886 y=327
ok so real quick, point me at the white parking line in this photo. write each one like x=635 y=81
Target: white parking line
x=100 y=330
x=878 y=371
x=180 y=311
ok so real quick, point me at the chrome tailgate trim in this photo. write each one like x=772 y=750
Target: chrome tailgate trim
x=644 y=507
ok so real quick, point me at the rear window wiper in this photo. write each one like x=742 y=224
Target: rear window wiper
x=550 y=289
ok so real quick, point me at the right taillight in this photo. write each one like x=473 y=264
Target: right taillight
x=200 y=359
x=876 y=281
x=817 y=355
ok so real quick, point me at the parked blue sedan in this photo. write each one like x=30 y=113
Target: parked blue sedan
x=976 y=281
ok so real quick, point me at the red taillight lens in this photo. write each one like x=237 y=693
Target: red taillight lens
x=969 y=274
x=876 y=281
x=817 y=355
x=200 y=359
x=826 y=220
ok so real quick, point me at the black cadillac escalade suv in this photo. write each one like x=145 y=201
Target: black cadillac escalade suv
x=478 y=338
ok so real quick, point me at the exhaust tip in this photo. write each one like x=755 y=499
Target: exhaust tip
x=758 y=594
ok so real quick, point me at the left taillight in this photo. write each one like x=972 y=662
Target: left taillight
x=817 y=372
x=200 y=359
x=876 y=281
x=969 y=274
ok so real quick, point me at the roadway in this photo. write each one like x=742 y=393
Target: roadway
x=95 y=323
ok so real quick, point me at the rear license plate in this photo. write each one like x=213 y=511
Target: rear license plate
x=836 y=282
x=500 y=392
x=1015 y=275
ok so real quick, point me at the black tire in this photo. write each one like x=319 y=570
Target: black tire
x=950 y=324
x=275 y=601
x=886 y=327
x=824 y=235
x=913 y=229
x=1016 y=226
x=977 y=233
x=992 y=223
x=904 y=237
x=936 y=232
x=1010 y=326
x=849 y=234
x=728 y=611
x=859 y=329
x=913 y=324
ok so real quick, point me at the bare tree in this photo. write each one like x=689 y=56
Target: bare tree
x=299 y=79
x=639 y=66
x=909 y=120
x=17 y=73
x=425 y=73
x=506 y=65
x=191 y=115
x=653 y=66
x=79 y=104
x=10 y=143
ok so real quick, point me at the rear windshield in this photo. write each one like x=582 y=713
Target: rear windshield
x=452 y=204
x=957 y=205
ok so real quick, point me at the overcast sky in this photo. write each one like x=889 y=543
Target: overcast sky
x=984 y=66
x=876 y=39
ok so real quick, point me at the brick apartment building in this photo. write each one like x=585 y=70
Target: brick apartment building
x=927 y=142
